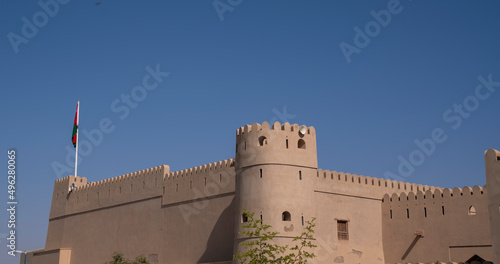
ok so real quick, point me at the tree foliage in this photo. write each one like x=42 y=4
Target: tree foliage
x=260 y=247
x=119 y=259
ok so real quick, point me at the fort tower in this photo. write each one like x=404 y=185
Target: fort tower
x=275 y=172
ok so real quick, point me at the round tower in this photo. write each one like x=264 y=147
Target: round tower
x=275 y=171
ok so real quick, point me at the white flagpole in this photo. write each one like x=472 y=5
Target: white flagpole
x=77 y=134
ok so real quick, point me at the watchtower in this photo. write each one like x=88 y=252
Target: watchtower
x=275 y=173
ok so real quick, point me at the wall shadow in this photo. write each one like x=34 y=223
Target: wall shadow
x=220 y=242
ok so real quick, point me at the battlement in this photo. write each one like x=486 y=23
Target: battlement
x=158 y=170
x=370 y=187
x=445 y=193
x=282 y=144
x=144 y=184
x=276 y=127
x=129 y=187
x=435 y=204
x=71 y=179
x=206 y=168
x=201 y=182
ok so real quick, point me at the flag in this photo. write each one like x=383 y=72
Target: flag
x=75 y=125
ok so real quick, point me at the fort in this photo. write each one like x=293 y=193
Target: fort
x=195 y=215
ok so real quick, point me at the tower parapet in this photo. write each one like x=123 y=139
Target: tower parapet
x=281 y=144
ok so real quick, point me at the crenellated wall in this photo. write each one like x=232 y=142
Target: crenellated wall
x=202 y=182
x=363 y=186
x=280 y=144
x=126 y=188
x=440 y=224
x=141 y=213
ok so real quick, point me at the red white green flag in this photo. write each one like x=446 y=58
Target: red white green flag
x=75 y=125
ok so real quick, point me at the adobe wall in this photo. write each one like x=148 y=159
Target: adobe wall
x=358 y=200
x=492 y=162
x=170 y=217
x=363 y=186
x=436 y=225
x=56 y=256
x=198 y=214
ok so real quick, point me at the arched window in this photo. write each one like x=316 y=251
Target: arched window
x=472 y=210
x=262 y=141
x=301 y=144
x=286 y=216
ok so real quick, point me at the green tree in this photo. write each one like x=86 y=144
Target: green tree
x=141 y=260
x=302 y=254
x=261 y=248
x=119 y=259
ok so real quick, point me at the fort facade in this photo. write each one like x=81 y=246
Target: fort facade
x=195 y=215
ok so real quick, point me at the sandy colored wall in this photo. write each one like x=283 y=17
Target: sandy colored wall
x=363 y=186
x=492 y=162
x=56 y=256
x=275 y=167
x=454 y=236
x=364 y=224
x=142 y=213
x=358 y=199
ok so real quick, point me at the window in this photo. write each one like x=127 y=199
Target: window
x=286 y=216
x=286 y=143
x=442 y=209
x=244 y=218
x=300 y=175
x=342 y=230
x=407 y=213
x=472 y=210
x=390 y=212
x=262 y=141
x=260 y=173
x=301 y=144
x=425 y=211
x=302 y=220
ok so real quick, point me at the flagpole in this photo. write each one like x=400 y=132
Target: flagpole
x=77 y=128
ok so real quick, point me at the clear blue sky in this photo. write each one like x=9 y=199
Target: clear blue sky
x=262 y=57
